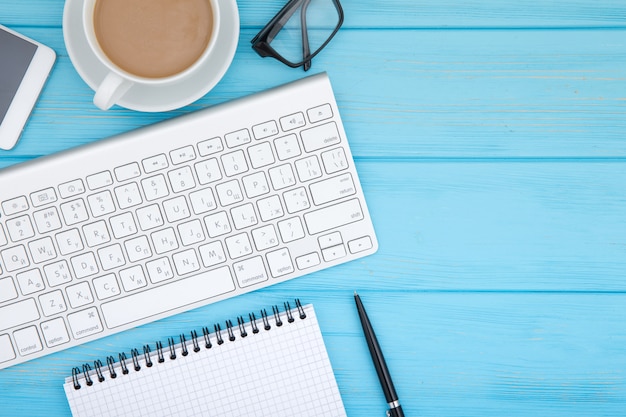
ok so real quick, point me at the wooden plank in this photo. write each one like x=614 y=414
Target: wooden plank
x=450 y=354
x=425 y=94
x=395 y=13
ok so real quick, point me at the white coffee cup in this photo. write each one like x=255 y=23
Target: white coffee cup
x=119 y=81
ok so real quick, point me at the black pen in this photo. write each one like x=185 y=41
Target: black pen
x=395 y=410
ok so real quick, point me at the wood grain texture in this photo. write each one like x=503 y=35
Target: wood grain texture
x=489 y=139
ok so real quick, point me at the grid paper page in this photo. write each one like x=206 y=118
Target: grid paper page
x=281 y=372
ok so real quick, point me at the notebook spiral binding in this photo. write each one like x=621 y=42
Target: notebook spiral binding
x=97 y=374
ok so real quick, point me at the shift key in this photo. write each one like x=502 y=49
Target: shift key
x=334 y=216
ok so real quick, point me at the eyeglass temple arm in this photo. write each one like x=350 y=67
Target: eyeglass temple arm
x=267 y=34
x=306 y=49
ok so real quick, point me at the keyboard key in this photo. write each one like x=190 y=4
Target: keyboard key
x=20 y=228
x=334 y=253
x=55 y=332
x=111 y=256
x=186 y=262
x=154 y=187
x=74 y=212
x=332 y=189
x=191 y=232
x=359 y=245
x=6 y=348
x=176 y=209
x=238 y=138
x=320 y=137
x=229 y=192
x=329 y=240
x=57 y=273
x=79 y=295
x=106 y=287
x=270 y=208
x=164 y=241
x=238 y=245
x=208 y=171
x=265 y=130
x=287 y=147
x=202 y=201
x=138 y=249
x=308 y=168
x=167 y=297
x=14 y=258
x=250 y=272
x=69 y=242
x=293 y=121
x=123 y=225
x=19 y=313
x=43 y=197
x=52 y=303
x=150 y=217
x=181 y=179
x=101 y=204
x=154 y=163
x=255 y=184
x=282 y=177
x=296 y=200
x=181 y=155
x=47 y=220
x=334 y=160
x=133 y=278
x=234 y=163
x=3 y=236
x=334 y=216
x=291 y=229
x=30 y=281
x=85 y=323
x=244 y=216
x=127 y=172
x=71 y=188
x=261 y=155
x=27 y=341
x=7 y=289
x=99 y=180
x=265 y=237
x=159 y=270
x=210 y=146
x=212 y=254
x=15 y=205
x=319 y=113
x=84 y=265
x=42 y=250
x=128 y=195
x=96 y=233
x=308 y=261
x=279 y=262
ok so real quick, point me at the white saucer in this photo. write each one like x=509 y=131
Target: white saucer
x=154 y=98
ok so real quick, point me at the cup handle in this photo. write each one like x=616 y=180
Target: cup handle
x=111 y=89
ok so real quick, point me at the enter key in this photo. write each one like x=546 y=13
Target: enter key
x=332 y=189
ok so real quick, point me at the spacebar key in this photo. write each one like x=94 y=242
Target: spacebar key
x=158 y=301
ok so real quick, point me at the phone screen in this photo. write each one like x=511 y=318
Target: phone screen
x=16 y=55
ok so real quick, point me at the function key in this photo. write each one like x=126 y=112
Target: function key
x=265 y=130
x=210 y=146
x=293 y=121
x=154 y=163
x=181 y=155
x=15 y=205
x=127 y=172
x=43 y=197
x=71 y=188
x=99 y=180
x=318 y=113
x=6 y=348
x=237 y=138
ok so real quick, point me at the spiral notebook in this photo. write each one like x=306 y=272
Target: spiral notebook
x=274 y=364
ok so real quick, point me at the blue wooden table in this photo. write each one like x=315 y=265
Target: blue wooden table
x=490 y=137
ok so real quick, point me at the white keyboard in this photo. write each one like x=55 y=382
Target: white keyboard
x=203 y=207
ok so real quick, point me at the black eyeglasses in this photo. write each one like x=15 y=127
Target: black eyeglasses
x=299 y=31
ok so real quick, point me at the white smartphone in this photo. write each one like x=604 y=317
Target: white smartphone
x=24 y=68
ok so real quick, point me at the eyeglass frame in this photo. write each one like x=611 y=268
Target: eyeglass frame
x=262 y=47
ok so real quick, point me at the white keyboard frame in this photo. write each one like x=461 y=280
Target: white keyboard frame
x=306 y=108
